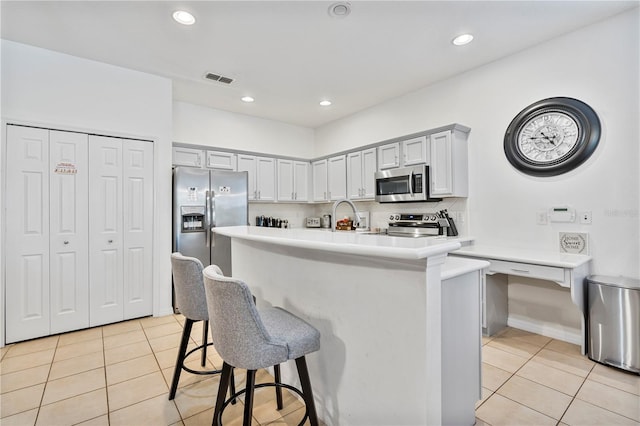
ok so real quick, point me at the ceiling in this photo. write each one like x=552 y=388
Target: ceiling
x=290 y=55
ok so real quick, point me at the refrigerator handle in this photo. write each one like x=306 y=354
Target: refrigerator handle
x=207 y=218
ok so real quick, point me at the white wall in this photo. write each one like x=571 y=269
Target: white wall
x=598 y=64
x=66 y=92
x=200 y=125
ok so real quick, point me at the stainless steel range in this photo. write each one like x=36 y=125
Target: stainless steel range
x=415 y=225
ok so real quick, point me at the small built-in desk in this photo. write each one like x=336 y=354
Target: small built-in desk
x=567 y=270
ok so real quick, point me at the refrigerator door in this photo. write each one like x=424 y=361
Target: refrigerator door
x=229 y=207
x=190 y=219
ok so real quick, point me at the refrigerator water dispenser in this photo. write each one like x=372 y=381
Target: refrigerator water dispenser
x=192 y=218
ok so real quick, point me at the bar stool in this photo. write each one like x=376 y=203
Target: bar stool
x=252 y=339
x=192 y=302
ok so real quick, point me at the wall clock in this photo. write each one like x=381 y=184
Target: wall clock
x=552 y=136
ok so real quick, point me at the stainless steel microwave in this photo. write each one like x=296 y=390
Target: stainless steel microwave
x=405 y=184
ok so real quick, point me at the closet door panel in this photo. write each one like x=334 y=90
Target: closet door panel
x=69 y=258
x=27 y=215
x=138 y=228
x=105 y=230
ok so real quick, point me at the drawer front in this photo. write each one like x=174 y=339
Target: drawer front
x=551 y=273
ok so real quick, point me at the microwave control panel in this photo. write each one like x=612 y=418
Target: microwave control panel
x=417 y=183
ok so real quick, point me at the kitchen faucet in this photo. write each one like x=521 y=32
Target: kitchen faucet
x=335 y=206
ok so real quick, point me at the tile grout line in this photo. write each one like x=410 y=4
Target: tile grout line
x=46 y=382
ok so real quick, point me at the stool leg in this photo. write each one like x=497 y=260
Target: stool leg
x=205 y=338
x=276 y=370
x=186 y=332
x=303 y=373
x=248 y=399
x=227 y=373
x=233 y=386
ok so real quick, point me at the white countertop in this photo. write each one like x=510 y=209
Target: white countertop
x=347 y=242
x=537 y=257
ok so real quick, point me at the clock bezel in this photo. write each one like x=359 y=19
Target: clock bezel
x=587 y=140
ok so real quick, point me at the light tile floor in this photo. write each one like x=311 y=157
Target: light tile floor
x=119 y=375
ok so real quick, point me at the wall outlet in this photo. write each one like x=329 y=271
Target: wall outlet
x=542 y=218
x=585 y=218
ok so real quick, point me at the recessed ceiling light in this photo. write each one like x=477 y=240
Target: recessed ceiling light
x=325 y=103
x=462 y=39
x=340 y=10
x=183 y=17
x=247 y=99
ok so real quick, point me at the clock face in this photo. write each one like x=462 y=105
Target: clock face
x=548 y=137
x=552 y=136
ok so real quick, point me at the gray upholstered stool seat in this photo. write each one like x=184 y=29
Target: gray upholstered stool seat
x=192 y=302
x=252 y=339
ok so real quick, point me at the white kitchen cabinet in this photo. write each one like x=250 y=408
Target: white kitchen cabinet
x=330 y=178
x=47 y=264
x=262 y=176
x=414 y=151
x=448 y=165
x=361 y=168
x=120 y=230
x=319 y=178
x=337 y=177
x=222 y=160
x=389 y=156
x=293 y=180
x=187 y=157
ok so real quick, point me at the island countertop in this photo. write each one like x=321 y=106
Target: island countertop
x=354 y=243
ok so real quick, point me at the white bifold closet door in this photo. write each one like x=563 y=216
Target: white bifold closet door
x=46 y=251
x=120 y=228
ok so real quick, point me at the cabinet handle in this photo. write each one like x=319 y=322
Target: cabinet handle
x=329 y=195
x=325 y=195
x=65 y=243
x=255 y=195
x=259 y=195
x=523 y=271
x=110 y=241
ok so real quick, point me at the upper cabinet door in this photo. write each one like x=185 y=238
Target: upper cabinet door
x=354 y=175
x=448 y=164
x=247 y=163
x=319 y=178
x=369 y=169
x=301 y=180
x=266 y=178
x=137 y=238
x=69 y=239
x=337 y=177
x=285 y=180
x=187 y=157
x=222 y=160
x=27 y=262
x=105 y=230
x=414 y=151
x=389 y=156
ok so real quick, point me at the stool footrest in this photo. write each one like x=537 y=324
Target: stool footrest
x=232 y=398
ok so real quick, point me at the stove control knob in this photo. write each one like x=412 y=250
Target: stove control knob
x=391 y=217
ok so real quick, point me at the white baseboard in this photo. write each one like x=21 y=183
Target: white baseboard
x=554 y=331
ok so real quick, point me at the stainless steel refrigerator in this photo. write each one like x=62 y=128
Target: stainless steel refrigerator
x=203 y=199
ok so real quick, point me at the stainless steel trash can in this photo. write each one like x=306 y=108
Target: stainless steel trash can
x=613 y=331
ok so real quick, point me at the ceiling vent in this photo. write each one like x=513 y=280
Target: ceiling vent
x=219 y=78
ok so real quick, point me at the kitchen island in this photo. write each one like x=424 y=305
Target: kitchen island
x=400 y=324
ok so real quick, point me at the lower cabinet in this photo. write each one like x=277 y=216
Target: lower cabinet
x=53 y=272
